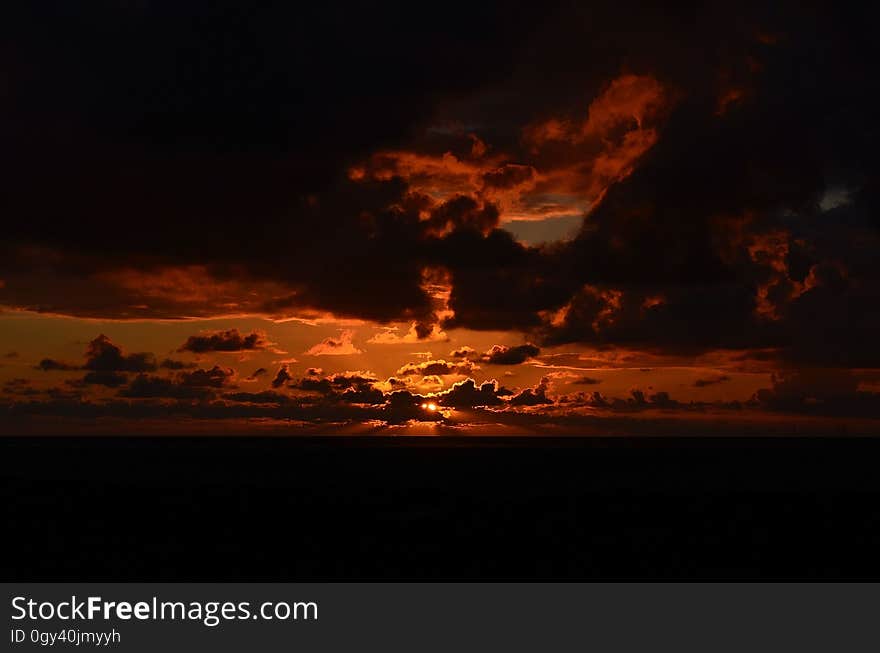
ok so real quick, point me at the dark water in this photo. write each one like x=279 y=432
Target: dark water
x=391 y=508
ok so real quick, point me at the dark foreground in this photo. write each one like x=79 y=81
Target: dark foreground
x=411 y=508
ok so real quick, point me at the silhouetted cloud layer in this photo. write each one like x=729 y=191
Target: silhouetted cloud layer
x=227 y=341
x=503 y=355
x=360 y=397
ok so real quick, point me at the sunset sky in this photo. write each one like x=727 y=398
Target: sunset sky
x=230 y=218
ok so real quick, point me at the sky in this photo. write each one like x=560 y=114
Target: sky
x=604 y=219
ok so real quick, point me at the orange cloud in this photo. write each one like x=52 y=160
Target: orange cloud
x=629 y=103
x=438 y=368
x=341 y=346
x=567 y=166
x=621 y=125
x=771 y=250
x=390 y=335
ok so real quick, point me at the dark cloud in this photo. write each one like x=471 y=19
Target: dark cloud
x=403 y=406
x=52 y=365
x=587 y=380
x=20 y=387
x=462 y=213
x=171 y=364
x=345 y=380
x=704 y=383
x=637 y=401
x=437 y=367
x=467 y=394
x=257 y=373
x=363 y=394
x=462 y=352
x=265 y=397
x=503 y=355
x=229 y=340
x=106 y=378
x=216 y=377
x=282 y=376
x=108 y=365
x=351 y=387
x=819 y=391
x=104 y=356
x=17 y=383
x=423 y=330
x=536 y=396
x=396 y=384
x=328 y=385
x=156 y=387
